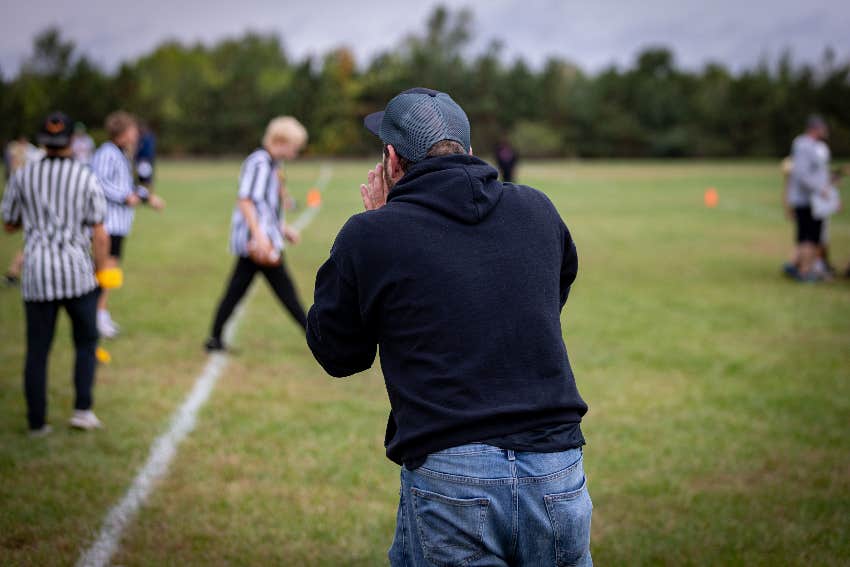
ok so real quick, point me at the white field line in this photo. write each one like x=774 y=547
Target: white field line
x=162 y=452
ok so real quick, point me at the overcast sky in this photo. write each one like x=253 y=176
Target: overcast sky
x=593 y=34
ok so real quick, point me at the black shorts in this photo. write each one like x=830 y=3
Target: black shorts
x=808 y=227
x=116 y=244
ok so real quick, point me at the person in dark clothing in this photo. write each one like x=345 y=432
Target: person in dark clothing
x=506 y=158
x=258 y=230
x=145 y=158
x=460 y=280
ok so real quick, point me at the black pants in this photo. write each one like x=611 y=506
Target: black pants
x=240 y=281
x=116 y=245
x=809 y=229
x=41 y=324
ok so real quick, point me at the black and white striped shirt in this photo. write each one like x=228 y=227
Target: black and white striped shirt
x=56 y=200
x=258 y=181
x=115 y=173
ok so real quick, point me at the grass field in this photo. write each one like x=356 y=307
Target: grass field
x=719 y=391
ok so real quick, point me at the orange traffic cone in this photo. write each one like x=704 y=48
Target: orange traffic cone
x=314 y=198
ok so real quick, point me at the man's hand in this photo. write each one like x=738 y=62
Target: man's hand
x=156 y=202
x=374 y=191
x=291 y=234
x=132 y=199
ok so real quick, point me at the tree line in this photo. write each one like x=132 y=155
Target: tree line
x=216 y=99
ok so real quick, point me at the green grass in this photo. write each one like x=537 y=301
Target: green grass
x=719 y=391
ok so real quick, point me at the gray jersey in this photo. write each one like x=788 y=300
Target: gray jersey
x=810 y=172
x=56 y=200
x=115 y=173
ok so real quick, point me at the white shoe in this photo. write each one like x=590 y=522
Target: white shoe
x=42 y=431
x=85 y=419
x=105 y=326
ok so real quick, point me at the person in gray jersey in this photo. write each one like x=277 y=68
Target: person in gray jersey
x=258 y=231
x=59 y=204
x=115 y=171
x=809 y=175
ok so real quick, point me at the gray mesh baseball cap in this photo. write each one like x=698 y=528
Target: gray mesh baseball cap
x=417 y=119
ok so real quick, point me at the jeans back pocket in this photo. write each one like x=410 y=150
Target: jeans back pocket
x=570 y=514
x=450 y=529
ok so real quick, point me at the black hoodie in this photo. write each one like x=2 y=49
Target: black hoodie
x=460 y=279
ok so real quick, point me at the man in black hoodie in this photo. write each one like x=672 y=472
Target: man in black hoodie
x=460 y=279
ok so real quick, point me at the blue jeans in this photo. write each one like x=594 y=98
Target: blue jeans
x=477 y=505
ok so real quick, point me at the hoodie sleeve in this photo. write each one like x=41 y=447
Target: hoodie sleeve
x=569 y=264
x=340 y=340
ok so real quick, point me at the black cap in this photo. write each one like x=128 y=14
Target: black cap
x=56 y=131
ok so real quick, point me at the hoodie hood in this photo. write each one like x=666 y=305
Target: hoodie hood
x=458 y=186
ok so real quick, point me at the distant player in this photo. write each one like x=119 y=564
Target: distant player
x=506 y=158
x=257 y=229
x=18 y=153
x=82 y=144
x=56 y=201
x=113 y=168
x=809 y=175
x=145 y=157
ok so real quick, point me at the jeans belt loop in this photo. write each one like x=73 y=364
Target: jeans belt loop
x=511 y=455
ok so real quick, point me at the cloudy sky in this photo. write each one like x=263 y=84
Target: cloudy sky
x=593 y=34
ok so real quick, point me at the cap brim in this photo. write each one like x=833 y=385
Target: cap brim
x=373 y=122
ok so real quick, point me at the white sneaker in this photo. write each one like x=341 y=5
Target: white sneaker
x=42 y=431
x=85 y=419
x=105 y=326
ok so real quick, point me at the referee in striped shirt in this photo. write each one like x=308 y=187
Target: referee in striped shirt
x=257 y=230
x=60 y=206
x=116 y=174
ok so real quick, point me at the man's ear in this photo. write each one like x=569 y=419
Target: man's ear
x=392 y=163
x=470 y=150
